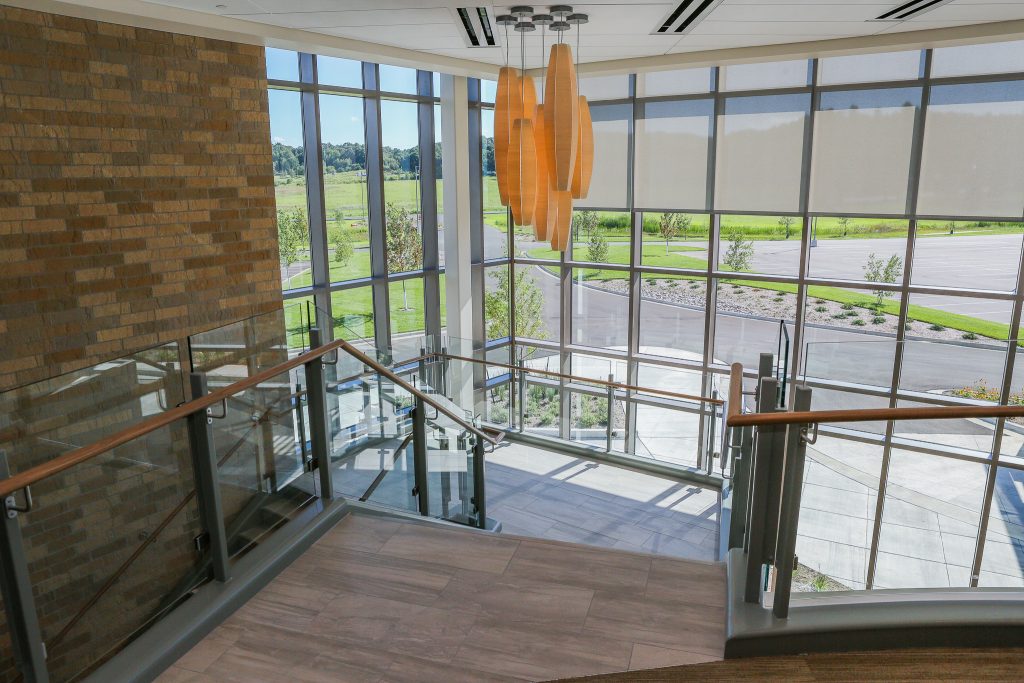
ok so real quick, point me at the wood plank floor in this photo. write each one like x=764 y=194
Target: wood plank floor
x=940 y=664
x=378 y=599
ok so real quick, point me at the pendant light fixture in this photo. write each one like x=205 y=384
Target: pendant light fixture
x=543 y=154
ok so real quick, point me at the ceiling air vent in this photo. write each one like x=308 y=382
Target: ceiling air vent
x=685 y=16
x=909 y=10
x=477 y=28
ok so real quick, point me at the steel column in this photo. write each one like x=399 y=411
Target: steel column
x=480 y=482
x=419 y=453
x=792 y=488
x=760 y=501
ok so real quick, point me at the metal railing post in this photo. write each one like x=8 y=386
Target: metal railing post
x=204 y=469
x=764 y=453
x=301 y=420
x=744 y=443
x=711 y=435
x=419 y=456
x=16 y=588
x=480 y=482
x=319 y=432
x=522 y=397
x=792 y=486
x=609 y=414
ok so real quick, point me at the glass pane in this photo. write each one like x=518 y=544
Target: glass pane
x=675 y=82
x=1003 y=561
x=604 y=87
x=346 y=73
x=290 y=187
x=601 y=236
x=967 y=254
x=282 y=65
x=960 y=319
x=949 y=367
x=861 y=153
x=488 y=90
x=439 y=183
x=406 y=307
x=435 y=84
x=400 y=135
x=498 y=405
x=497 y=295
x=837 y=514
x=352 y=311
x=675 y=380
x=133 y=505
x=240 y=349
x=675 y=240
x=853 y=248
x=747 y=322
x=537 y=302
x=929 y=521
x=397 y=79
x=299 y=316
x=766 y=75
x=345 y=186
x=600 y=308
x=597 y=367
x=990 y=58
x=672 y=140
x=672 y=316
x=760 y=244
x=970 y=164
x=541 y=414
x=495 y=216
x=760 y=153
x=668 y=435
x=881 y=66
x=608 y=184
x=1011 y=447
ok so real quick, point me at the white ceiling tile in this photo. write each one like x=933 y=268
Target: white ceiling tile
x=974 y=12
x=210 y=6
x=795 y=29
x=772 y=12
x=316 y=20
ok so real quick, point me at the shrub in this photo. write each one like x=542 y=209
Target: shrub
x=878 y=320
x=847 y=307
x=935 y=327
x=819 y=301
x=839 y=316
x=858 y=322
x=969 y=335
x=673 y=284
x=821 y=309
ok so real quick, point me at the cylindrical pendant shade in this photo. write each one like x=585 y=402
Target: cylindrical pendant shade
x=561 y=116
x=508 y=104
x=584 y=167
x=559 y=218
x=540 y=212
x=522 y=172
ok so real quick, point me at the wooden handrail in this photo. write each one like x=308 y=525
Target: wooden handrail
x=68 y=460
x=575 y=378
x=872 y=415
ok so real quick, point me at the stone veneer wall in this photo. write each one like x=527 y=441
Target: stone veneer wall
x=136 y=208
x=136 y=190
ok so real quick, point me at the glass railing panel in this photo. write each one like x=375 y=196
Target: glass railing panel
x=589 y=421
x=971 y=437
x=541 y=410
x=263 y=458
x=241 y=349
x=449 y=469
x=837 y=514
x=86 y=524
x=865 y=363
x=43 y=420
x=669 y=434
x=930 y=520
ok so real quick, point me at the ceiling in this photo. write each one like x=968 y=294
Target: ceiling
x=617 y=30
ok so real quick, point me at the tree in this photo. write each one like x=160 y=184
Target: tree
x=341 y=241
x=597 y=248
x=888 y=271
x=404 y=245
x=786 y=222
x=844 y=224
x=529 y=306
x=669 y=226
x=740 y=252
x=584 y=221
x=684 y=224
x=292 y=234
x=339 y=216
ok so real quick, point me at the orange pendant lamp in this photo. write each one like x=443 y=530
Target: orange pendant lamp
x=540 y=211
x=507 y=107
x=522 y=172
x=561 y=117
x=559 y=218
x=584 y=167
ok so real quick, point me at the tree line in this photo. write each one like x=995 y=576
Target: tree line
x=351 y=156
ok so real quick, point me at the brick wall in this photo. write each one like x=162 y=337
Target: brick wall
x=136 y=190
x=136 y=208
